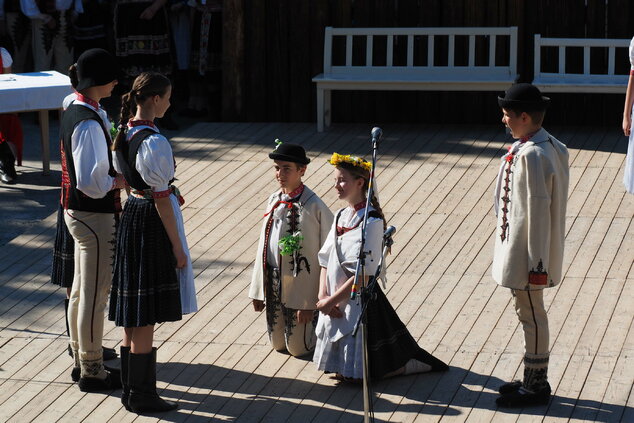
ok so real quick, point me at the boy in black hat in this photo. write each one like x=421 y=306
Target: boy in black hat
x=90 y=199
x=530 y=203
x=286 y=273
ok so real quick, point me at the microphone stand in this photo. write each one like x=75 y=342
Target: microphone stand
x=360 y=277
x=367 y=295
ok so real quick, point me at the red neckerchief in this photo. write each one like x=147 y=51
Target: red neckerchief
x=133 y=123
x=89 y=101
x=525 y=138
x=294 y=196
x=343 y=229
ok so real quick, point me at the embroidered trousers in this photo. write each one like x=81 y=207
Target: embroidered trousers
x=93 y=234
x=285 y=333
x=529 y=306
x=52 y=48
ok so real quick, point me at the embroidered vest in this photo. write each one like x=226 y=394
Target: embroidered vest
x=72 y=198
x=127 y=158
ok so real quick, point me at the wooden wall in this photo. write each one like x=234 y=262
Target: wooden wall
x=272 y=49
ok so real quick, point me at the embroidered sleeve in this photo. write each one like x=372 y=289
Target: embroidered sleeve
x=155 y=162
x=538 y=179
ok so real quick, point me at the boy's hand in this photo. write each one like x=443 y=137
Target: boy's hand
x=304 y=316
x=258 y=305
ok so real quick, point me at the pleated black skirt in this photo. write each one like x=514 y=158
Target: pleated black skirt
x=390 y=345
x=63 y=266
x=145 y=286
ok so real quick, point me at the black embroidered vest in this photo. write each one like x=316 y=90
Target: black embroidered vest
x=126 y=154
x=72 y=198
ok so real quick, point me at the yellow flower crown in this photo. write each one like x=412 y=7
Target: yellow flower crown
x=337 y=159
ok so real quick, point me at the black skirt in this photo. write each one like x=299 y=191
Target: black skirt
x=390 y=345
x=145 y=286
x=63 y=266
x=141 y=45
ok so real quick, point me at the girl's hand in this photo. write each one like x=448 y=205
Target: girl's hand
x=119 y=182
x=627 y=125
x=335 y=313
x=305 y=316
x=324 y=305
x=181 y=257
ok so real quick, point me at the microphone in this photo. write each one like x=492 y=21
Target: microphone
x=389 y=232
x=377 y=133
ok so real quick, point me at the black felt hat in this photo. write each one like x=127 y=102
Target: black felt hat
x=523 y=97
x=96 y=67
x=290 y=153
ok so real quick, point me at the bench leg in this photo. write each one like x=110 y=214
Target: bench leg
x=320 y=110
x=43 y=115
x=327 y=109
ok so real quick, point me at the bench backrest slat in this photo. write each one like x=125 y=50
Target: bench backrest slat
x=588 y=44
x=412 y=35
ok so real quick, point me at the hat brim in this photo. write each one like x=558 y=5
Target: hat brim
x=524 y=105
x=286 y=158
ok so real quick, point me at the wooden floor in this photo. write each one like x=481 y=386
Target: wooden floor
x=436 y=187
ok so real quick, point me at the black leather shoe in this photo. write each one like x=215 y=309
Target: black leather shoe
x=93 y=384
x=524 y=398
x=509 y=388
x=75 y=374
x=5 y=177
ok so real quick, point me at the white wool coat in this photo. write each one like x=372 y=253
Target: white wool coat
x=299 y=292
x=532 y=204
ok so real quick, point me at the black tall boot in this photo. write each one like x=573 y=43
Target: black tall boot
x=125 y=394
x=142 y=380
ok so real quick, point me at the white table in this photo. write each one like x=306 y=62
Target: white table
x=35 y=91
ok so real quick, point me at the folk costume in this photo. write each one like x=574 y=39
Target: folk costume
x=288 y=283
x=530 y=202
x=63 y=266
x=390 y=345
x=147 y=287
x=90 y=202
x=52 y=38
x=11 y=134
x=628 y=174
x=19 y=31
x=141 y=45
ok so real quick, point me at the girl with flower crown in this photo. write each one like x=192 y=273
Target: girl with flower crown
x=153 y=279
x=392 y=350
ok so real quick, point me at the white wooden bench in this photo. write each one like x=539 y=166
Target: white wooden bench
x=408 y=76
x=564 y=81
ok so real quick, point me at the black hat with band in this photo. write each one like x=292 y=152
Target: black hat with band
x=523 y=97
x=96 y=67
x=289 y=153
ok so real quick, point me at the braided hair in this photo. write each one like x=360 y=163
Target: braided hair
x=145 y=86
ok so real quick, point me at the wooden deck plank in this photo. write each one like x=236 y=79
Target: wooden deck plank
x=217 y=363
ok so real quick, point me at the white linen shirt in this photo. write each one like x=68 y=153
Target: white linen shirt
x=155 y=160
x=90 y=156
